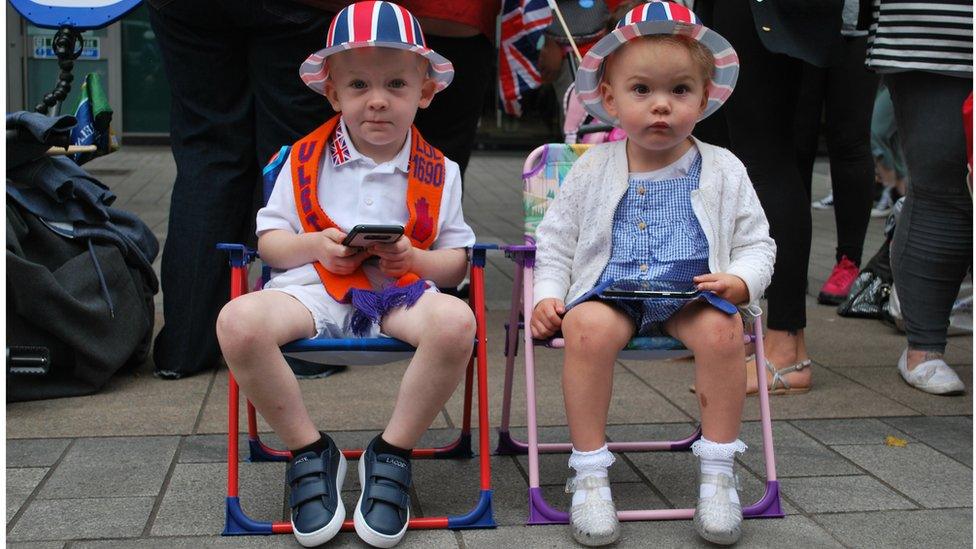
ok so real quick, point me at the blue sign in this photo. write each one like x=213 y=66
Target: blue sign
x=43 y=49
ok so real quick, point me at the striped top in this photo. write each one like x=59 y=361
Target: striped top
x=935 y=36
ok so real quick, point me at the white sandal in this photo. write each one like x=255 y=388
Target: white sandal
x=594 y=522
x=717 y=518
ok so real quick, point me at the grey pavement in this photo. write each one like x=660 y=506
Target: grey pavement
x=142 y=463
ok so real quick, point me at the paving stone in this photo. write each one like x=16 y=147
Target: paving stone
x=195 y=498
x=40 y=452
x=914 y=470
x=439 y=496
x=21 y=482
x=627 y=496
x=554 y=470
x=800 y=531
x=888 y=382
x=949 y=435
x=796 y=453
x=210 y=449
x=834 y=395
x=414 y=539
x=842 y=494
x=36 y=545
x=112 y=468
x=130 y=404
x=69 y=519
x=921 y=528
x=849 y=431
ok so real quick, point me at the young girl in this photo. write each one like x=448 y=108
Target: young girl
x=659 y=206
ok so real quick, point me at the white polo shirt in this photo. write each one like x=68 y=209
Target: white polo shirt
x=354 y=190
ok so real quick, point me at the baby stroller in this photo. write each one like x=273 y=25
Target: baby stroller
x=584 y=26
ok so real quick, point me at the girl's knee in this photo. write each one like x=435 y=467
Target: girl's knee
x=585 y=329
x=718 y=332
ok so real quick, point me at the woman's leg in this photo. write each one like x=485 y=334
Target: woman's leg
x=932 y=247
x=760 y=122
x=720 y=382
x=250 y=330
x=851 y=90
x=595 y=333
x=442 y=328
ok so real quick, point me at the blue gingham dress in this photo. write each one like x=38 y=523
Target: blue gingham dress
x=656 y=236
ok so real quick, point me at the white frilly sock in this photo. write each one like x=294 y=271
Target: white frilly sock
x=591 y=464
x=715 y=458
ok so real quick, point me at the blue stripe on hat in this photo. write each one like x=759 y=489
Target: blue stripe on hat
x=341 y=35
x=387 y=29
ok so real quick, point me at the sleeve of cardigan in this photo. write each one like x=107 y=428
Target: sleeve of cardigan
x=557 y=235
x=753 y=251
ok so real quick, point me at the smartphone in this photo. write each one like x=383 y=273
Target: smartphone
x=643 y=289
x=363 y=235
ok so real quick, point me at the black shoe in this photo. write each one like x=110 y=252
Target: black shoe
x=315 y=481
x=304 y=369
x=383 y=509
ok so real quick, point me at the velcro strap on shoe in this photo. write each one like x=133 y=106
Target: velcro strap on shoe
x=313 y=466
x=722 y=481
x=390 y=494
x=400 y=475
x=308 y=491
x=586 y=483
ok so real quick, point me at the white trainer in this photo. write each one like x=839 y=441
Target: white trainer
x=717 y=518
x=594 y=522
x=931 y=376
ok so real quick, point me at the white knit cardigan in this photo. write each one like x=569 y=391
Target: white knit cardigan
x=574 y=238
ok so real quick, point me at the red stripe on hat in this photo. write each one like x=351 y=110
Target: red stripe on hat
x=628 y=33
x=407 y=23
x=330 y=36
x=680 y=13
x=726 y=58
x=362 y=21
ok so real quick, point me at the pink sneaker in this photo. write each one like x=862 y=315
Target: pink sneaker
x=839 y=283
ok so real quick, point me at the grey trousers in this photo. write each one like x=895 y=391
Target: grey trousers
x=933 y=244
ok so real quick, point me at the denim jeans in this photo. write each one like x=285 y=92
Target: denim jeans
x=236 y=97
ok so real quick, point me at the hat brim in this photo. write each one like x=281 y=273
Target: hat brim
x=590 y=71
x=315 y=70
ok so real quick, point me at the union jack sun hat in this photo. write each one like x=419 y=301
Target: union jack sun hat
x=374 y=24
x=657 y=17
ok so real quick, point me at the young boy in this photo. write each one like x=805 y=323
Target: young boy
x=365 y=166
x=660 y=206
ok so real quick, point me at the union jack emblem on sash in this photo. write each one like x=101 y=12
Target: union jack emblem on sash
x=338 y=149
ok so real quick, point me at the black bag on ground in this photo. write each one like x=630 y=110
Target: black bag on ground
x=869 y=294
x=80 y=282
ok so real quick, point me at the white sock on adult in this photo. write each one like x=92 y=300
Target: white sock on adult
x=591 y=464
x=716 y=458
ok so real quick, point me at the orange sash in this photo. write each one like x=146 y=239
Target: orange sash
x=425 y=184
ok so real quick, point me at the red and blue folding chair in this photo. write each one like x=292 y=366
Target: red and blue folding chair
x=361 y=351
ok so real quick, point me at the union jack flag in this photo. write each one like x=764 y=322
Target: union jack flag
x=521 y=33
x=338 y=148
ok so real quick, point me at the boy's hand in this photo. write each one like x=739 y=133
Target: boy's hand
x=547 y=317
x=728 y=287
x=396 y=258
x=338 y=259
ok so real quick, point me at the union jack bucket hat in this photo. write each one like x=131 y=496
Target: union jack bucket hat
x=657 y=17
x=369 y=25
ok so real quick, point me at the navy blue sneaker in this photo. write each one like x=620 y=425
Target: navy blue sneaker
x=383 y=508
x=315 y=481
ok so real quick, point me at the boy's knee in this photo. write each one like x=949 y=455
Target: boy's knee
x=452 y=323
x=237 y=329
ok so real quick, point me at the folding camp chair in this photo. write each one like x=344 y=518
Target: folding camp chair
x=360 y=351
x=543 y=172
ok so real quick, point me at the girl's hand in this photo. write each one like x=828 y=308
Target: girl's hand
x=728 y=287
x=547 y=317
x=396 y=258
x=338 y=259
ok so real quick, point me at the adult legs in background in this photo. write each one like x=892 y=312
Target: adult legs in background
x=450 y=123
x=932 y=247
x=760 y=117
x=213 y=69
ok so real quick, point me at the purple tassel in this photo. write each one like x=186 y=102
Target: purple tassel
x=371 y=306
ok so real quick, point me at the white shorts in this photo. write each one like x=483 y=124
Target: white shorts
x=332 y=319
